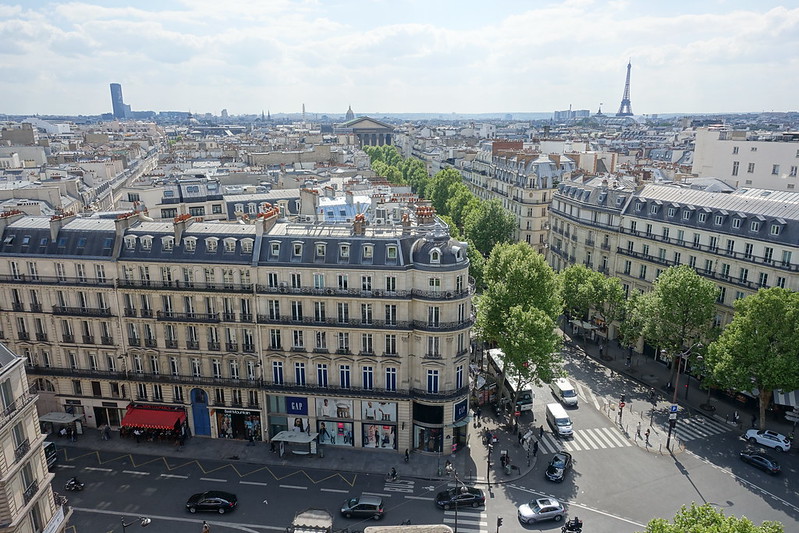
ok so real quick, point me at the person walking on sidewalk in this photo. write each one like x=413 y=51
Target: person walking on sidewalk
x=535 y=448
x=638 y=430
x=206 y=527
x=541 y=431
x=647 y=436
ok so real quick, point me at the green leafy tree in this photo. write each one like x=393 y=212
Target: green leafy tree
x=576 y=290
x=633 y=314
x=476 y=266
x=457 y=204
x=707 y=519
x=759 y=349
x=438 y=190
x=681 y=311
x=489 y=225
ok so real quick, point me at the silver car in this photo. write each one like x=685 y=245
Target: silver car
x=541 y=509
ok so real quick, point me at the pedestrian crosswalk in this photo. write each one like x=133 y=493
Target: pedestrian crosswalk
x=585 y=439
x=699 y=427
x=468 y=520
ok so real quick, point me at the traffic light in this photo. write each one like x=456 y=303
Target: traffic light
x=622 y=398
x=499 y=521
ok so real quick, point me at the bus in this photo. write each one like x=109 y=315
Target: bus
x=51 y=454
x=526 y=394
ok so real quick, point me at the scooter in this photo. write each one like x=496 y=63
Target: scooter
x=574 y=525
x=74 y=485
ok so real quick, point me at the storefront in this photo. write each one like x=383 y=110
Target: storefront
x=428 y=428
x=239 y=424
x=154 y=422
x=460 y=425
x=334 y=421
x=379 y=424
x=287 y=413
x=108 y=413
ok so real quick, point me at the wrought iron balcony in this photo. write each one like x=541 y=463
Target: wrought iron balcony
x=36 y=308
x=232 y=346
x=151 y=343
x=187 y=317
x=229 y=317
x=214 y=346
x=41 y=337
x=22 y=449
x=30 y=492
x=24 y=336
x=11 y=410
x=129 y=311
x=81 y=311
x=69 y=339
x=248 y=348
x=192 y=345
x=171 y=343
x=147 y=313
x=134 y=341
x=88 y=339
x=17 y=306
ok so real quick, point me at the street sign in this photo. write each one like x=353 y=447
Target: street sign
x=672 y=416
x=673 y=408
x=621 y=405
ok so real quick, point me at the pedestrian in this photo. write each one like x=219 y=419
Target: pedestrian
x=206 y=527
x=272 y=446
x=601 y=349
x=541 y=431
x=503 y=460
x=754 y=419
x=137 y=434
x=478 y=411
x=519 y=434
x=107 y=432
x=535 y=448
x=638 y=430
x=735 y=417
x=647 y=436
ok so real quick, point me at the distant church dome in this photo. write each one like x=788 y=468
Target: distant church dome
x=350 y=115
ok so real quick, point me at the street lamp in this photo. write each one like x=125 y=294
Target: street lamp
x=459 y=485
x=143 y=522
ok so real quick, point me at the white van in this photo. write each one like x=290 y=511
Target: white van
x=564 y=391
x=558 y=420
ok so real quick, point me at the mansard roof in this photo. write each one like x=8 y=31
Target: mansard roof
x=79 y=237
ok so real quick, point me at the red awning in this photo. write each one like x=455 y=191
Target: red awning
x=153 y=418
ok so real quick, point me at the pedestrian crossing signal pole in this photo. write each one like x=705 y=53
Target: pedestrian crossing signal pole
x=499 y=523
x=672 y=424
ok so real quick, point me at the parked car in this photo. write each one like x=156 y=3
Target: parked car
x=460 y=497
x=541 y=509
x=363 y=506
x=560 y=463
x=758 y=458
x=215 y=501
x=766 y=437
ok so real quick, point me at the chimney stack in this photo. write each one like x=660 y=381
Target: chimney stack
x=9 y=217
x=181 y=221
x=59 y=221
x=425 y=214
x=266 y=221
x=359 y=224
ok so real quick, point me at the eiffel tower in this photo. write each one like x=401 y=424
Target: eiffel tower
x=625 y=110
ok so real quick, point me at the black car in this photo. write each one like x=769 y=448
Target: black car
x=215 y=501
x=763 y=461
x=460 y=497
x=556 y=470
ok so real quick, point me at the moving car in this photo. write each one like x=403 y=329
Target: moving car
x=541 y=509
x=363 y=506
x=766 y=437
x=556 y=470
x=559 y=421
x=564 y=391
x=761 y=460
x=215 y=501
x=460 y=497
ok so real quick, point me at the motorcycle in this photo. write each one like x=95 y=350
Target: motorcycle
x=572 y=526
x=74 y=485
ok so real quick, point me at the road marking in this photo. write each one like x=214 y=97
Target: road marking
x=425 y=498
x=377 y=494
x=66 y=466
x=174 y=476
x=341 y=491
x=253 y=483
x=136 y=472
x=248 y=528
x=295 y=487
x=96 y=469
x=213 y=479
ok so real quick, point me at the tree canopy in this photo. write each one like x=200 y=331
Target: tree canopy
x=440 y=188
x=681 y=310
x=707 y=519
x=759 y=349
x=488 y=225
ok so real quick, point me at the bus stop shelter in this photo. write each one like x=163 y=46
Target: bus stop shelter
x=296 y=442
x=58 y=419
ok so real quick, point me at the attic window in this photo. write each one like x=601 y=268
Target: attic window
x=211 y=244
x=108 y=243
x=82 y=242
x=146 y=243
x=435 y=255
x=297 y=248
x=391 y=252
x=246 y=246
x=167 y=243
x=26 y=240
x=344 y=250
x=275 y=248
x=130 y=242
x=458 y=253
x=230 y=245
x=368 y=251
x=9 y=239
x=190 y=244
x=639 y=206
x=43 y=242
x=672 y=211
x=62 y=242
x=686 y=214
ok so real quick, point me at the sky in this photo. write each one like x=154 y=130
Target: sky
x=399 y=56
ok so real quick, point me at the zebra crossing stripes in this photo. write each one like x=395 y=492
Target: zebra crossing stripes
x=469 y=520
x=585 y=439
x=700 y=427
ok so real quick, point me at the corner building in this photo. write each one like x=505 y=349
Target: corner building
x=358 y=331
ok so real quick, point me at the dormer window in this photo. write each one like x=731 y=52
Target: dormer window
x=653 y=209
x=230 y=245
x=296 y=248
x=320 y=250
x=458 y=253
x=672 y=211
x=167 y=243
x=775 y=229
x=435 y=255
x=719 y=220
x=686 y=214
x=639 y=206
x=211 y=244
x=274 y=248
x=344 y=250
x=368 y=251
x=702 y=218
x=736 y=223
x=146 y=242
x=391 y=252
x=246 y=246
x=190 y=244
x=130 y=242
x=754 y=226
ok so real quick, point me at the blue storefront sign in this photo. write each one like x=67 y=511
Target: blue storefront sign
x=296 y=405
x=461 y=409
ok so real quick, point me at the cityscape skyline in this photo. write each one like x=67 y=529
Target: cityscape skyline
x=447 y=57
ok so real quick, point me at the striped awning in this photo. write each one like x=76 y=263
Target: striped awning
x=786 y=398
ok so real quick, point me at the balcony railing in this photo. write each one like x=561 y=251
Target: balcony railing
x=248 y=348
x=22 y=449
x=106 y=341
x=36 y=308
x=41 y=337
x=187 y=317
x=24 y=336
x=9 y=412
x=129 y=311
x=54 y=280
x=171 y=343
x=147 y=313
x=134 y=341
x=184 y=285
x=214 y=346
x=232 y=346
x=69 y=339
x=81 y=311
x=151 y=343
x=228 y=317
x=192 y=345
x=30 y=492
x=17 y=306
x=88 y=339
